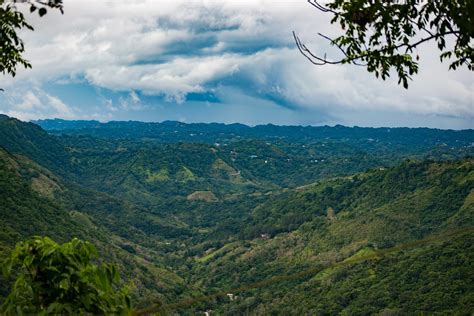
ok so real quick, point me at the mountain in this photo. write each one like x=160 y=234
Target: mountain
x=36 y=201
x=238 y=205
x=343 y=218
x=25 y=186
x=172 y=131
x=32 y=141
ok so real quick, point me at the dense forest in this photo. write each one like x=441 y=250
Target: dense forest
x=190 y=210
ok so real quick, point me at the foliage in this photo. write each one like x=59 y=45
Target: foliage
x=432 y=280
x=68 y=211
x=12 y=46
x=13 y=20
x=384 y=35
x=32 y=141
x=61 y=279
x=201 y=133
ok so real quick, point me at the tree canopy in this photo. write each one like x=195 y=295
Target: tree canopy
x=13 y=20
x=383 y=35
x=62 y=279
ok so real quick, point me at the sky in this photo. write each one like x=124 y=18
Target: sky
x=217 y=61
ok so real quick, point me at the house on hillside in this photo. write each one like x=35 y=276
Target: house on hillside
x=265 y=236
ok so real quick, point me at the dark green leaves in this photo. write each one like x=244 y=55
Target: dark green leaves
x=42 y=11
x=12 y=21
x=384 y=35
x=62 y=279
x=11 y=46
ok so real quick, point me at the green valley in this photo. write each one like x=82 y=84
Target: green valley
x=189 y=210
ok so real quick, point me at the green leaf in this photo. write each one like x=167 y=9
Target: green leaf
x=64 y=284
x=68 y=278
x=54 y=308
x=42 y=11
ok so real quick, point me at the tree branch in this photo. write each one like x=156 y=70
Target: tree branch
x=320 y=7
x=340 y=48
x=303 y=50
x=317 y=60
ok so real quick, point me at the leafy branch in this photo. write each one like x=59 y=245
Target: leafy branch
x=12 y=20
x=383 y=35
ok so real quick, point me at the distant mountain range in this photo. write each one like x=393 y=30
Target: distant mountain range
x=172 y=131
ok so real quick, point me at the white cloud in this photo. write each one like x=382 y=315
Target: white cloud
x=35 y=103
x=173 y=79
x=131 y=102
x=175 y=48
x=59 y=107
x=30 y=102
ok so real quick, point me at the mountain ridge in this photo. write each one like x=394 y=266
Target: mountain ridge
x=58 y=124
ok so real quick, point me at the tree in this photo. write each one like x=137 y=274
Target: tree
x=12 y=20
x=61 y=279
x=383 y=35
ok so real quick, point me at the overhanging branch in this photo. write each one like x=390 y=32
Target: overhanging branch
x=320 y=61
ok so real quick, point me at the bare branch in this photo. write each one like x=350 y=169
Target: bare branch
x=307 y=53
x=320 y=7
x=341 y=49
x=316 y=60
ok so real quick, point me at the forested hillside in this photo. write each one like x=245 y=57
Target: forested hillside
x=172 y=131
x=342 y=218
x=189 y=215
x=36 y=202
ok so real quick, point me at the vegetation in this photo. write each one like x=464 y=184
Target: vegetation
x=181 y=220
x=13 y=20
x=176 y=132
x=433 y=279
x=385 y=35
x=61 y=210
x=58 y=279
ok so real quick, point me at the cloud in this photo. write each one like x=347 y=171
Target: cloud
x=31 y=104
x=59 y=107
x=174 y=79
x=131 y=102
x=181 y=49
